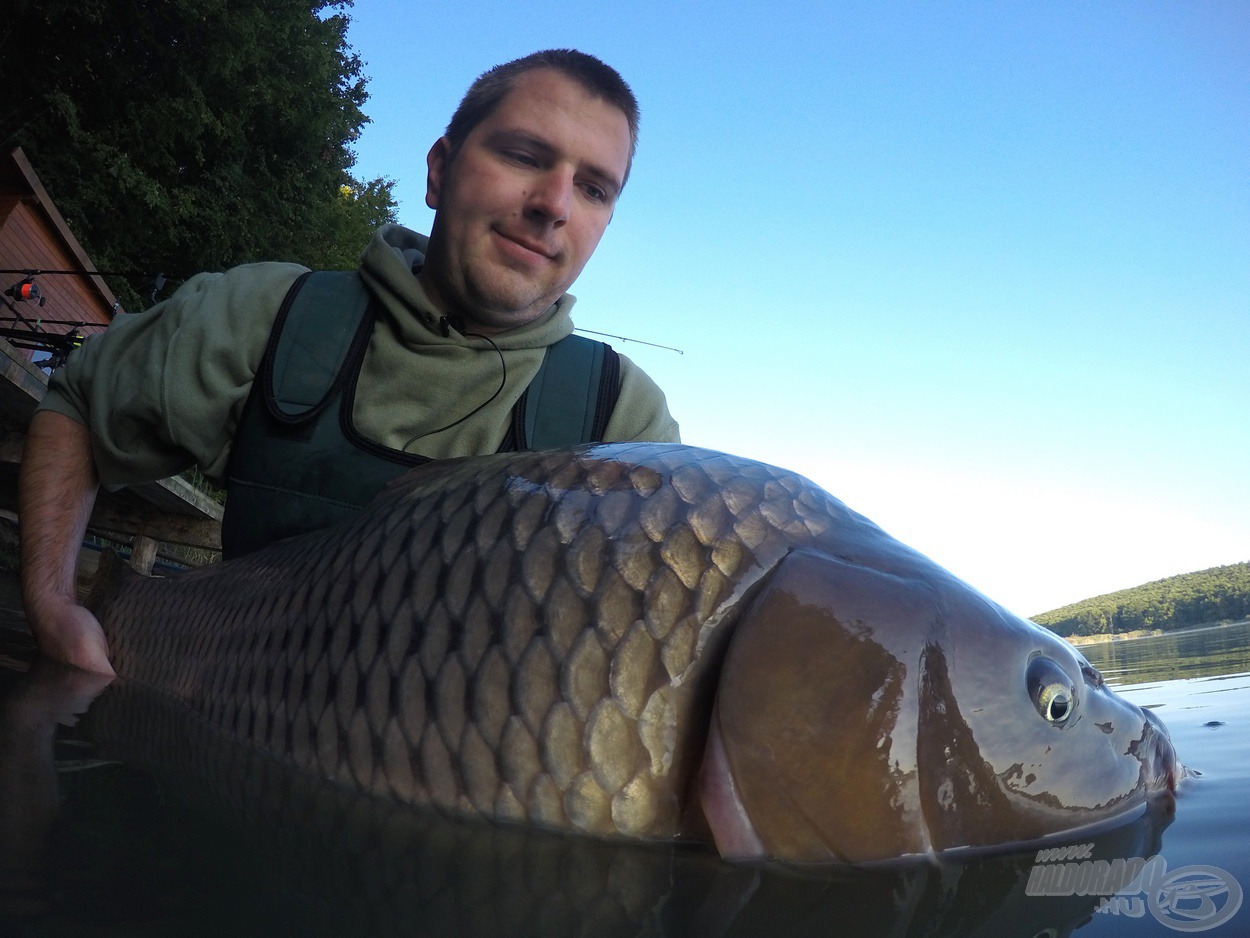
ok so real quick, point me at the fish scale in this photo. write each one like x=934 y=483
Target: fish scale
x=528 y=636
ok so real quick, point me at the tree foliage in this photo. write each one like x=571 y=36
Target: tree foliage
x=1215 y=595
x=193 y=135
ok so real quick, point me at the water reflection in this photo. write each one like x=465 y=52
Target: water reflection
x=1174 y=655
x=32 y=709
x=166 y=823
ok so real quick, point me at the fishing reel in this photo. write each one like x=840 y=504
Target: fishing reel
x=26 y=290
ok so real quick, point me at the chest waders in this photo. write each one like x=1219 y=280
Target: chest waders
x=298 y=462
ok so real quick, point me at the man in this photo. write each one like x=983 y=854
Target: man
x=523 y=185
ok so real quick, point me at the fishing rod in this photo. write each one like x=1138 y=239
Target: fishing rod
x=58 y=345
x=159 y=283
x=625 y=338
x=74 y=324
x=39 y=272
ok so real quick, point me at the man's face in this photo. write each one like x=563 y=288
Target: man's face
x=522 y=205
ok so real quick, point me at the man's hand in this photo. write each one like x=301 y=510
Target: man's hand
x=66 y=631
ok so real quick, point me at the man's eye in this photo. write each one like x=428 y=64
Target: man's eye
x=595 y=193
x=521 y=157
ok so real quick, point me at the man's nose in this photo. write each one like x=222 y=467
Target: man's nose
x=551 y=198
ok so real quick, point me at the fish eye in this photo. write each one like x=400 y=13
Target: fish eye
x=1055 y=703
x=1051 y=691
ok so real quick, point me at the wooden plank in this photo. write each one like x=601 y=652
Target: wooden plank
x=121 y=516
x=22 y=385
x=177 y=496
x=12 y=445
x=142 y=555
x=110 y=518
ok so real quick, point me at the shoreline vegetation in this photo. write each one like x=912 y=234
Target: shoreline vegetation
x=1216 y=596
x=1081 y=640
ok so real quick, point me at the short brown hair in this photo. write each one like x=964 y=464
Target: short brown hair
x=492 y=86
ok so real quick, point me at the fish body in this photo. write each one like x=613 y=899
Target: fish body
x=646 y=641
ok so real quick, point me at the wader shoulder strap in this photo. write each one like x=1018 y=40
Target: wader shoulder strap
x=322 y=314
x=292 y=469
x=572 y=397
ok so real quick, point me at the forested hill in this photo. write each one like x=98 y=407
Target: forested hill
x=1218 y=594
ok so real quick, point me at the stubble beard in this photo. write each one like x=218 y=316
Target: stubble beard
x=488 y=295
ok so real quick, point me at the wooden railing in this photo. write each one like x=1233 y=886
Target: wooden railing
x=171 y=511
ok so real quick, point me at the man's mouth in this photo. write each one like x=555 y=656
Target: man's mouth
x=528 y=244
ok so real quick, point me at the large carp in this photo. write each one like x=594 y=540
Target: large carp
x=649 y=641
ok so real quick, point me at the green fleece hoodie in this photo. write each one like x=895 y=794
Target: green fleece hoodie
x=163 y=390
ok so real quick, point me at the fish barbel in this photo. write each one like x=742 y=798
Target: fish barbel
x=622 y=640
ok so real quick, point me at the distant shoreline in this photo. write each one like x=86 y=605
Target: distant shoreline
x=1079 y=640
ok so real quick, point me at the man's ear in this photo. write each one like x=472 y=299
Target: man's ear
x=436 y=162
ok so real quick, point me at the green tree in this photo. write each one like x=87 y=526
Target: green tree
x=355 y=212
x=193 y=135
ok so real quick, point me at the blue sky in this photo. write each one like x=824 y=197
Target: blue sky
x=981 y=270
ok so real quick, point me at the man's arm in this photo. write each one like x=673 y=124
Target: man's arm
x=56 y=492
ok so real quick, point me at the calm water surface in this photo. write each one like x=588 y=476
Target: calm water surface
x=132 y=824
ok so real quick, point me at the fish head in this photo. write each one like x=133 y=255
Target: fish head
x=864 y=715
x=1020 y=738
